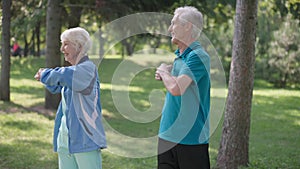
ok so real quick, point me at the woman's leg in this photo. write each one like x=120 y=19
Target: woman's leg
x=89 y=160
x=66 y=161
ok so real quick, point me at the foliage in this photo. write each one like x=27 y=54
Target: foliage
x=285 y=7
x=221 y=37
x=28 y=21
x=29 y=17
x=284 y=62
x=265 y=10
x=277 y=13
x=26 y=136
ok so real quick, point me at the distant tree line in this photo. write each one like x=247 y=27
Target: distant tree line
x=271 y=47
x=277 y=60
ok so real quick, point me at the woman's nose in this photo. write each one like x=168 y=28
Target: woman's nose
x=62 y=48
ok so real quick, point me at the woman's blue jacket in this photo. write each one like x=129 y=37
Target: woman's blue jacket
x=80 y=90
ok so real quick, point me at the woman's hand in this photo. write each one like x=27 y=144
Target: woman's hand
x=37 y=76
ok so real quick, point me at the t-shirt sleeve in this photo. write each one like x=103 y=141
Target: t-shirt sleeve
x=196 y=66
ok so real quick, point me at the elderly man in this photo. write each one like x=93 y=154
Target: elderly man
x=184 y=126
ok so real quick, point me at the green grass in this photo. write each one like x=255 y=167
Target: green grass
x=275 y=129
x=26 y=141
x=26 y=136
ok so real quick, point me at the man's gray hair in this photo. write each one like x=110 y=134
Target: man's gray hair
x=192 y=15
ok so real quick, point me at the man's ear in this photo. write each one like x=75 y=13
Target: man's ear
x=188 y=26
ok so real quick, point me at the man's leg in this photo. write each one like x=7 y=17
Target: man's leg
x=167 y=156
x=193 y=156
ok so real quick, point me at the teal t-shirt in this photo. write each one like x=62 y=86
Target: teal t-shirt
x=185 y=118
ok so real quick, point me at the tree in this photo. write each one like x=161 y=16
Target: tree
x=234 y=146
x=114 y=9
x=27 y=25
x=74 y=15
x=53 y=55
x=284 y=51
x=5 y=43
x=287 y=6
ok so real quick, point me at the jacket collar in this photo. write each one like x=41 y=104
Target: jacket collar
x=83 y=59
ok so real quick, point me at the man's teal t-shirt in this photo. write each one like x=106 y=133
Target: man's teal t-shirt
x=185 y=118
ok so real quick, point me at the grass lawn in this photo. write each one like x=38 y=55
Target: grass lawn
x=26 y=135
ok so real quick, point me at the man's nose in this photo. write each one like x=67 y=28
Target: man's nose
x=169 y=29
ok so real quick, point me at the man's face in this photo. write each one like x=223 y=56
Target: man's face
x=177 y=30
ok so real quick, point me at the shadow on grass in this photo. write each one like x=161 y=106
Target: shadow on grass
x=33 y=91
x=21 y=125
x=11 y=107
x=27 y=154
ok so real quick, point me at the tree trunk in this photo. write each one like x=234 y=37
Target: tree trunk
x=234 y=146
x=38 y=38
x=129 y=45
x=101 y=42
x=73 y=21
x=26 y=46
x=5 y=43
x=53 y=56
x=32 y=48
x=74 y=17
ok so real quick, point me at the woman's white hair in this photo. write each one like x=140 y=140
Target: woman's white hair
x=80 y=38
x=192 y=15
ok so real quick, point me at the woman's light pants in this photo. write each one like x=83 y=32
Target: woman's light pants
x=86 y=160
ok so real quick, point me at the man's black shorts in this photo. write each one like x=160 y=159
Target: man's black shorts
x=179 y=156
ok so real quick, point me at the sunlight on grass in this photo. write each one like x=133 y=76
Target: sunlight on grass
x=218 y=92
x=26 y=92
x=276 y=93
x=107 y=114
x=107 y=86
x=296 y=115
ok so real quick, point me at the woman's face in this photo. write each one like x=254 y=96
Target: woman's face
x=70 y=51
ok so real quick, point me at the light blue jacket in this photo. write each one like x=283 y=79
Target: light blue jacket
x=80 y=88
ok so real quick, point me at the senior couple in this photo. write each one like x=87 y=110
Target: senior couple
x=183 y=134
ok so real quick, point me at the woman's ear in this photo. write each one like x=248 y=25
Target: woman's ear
x=79 y=46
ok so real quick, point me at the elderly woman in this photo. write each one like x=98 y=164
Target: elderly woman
x=78 y=131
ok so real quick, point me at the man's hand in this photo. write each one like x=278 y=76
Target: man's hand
x=163 y=68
